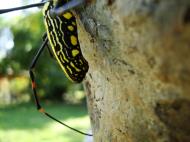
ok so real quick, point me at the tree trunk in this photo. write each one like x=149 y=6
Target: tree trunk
x=138 y=84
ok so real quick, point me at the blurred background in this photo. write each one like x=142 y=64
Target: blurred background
x=20 y=37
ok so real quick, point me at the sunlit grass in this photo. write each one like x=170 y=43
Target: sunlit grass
x=23 y=123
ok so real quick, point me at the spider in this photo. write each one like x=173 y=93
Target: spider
x=61 y=34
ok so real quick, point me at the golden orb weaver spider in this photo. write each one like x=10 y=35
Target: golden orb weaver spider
x=61 y=33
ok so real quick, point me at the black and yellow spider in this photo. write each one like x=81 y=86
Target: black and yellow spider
x=61 y=35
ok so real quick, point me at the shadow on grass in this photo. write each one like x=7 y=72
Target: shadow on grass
x=25 y=116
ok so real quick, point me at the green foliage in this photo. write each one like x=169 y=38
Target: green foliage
x=27 y=33
x=18 y=86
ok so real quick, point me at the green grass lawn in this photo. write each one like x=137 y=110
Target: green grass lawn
x=22 y=123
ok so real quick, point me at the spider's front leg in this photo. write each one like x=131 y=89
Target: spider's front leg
x=68 y=6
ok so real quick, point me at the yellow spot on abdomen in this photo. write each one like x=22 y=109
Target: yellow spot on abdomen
x=71 y=28
x=73 y=40
x=67 y=15
x=73 y=23
x=75 y=52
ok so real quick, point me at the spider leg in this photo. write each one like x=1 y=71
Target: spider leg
x=47 y=45
x=32 y=77
x=50 y=51
x=21 y=7
x=69 y=5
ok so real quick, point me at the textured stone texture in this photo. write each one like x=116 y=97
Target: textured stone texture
x=138 y=85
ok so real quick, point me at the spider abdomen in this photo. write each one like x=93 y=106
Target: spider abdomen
x=63 y=38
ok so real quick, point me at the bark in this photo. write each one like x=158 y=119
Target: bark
x=138 y=84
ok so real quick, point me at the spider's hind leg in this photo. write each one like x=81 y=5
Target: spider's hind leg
x=50 y=51
x=32 y=76
x=48 y=46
